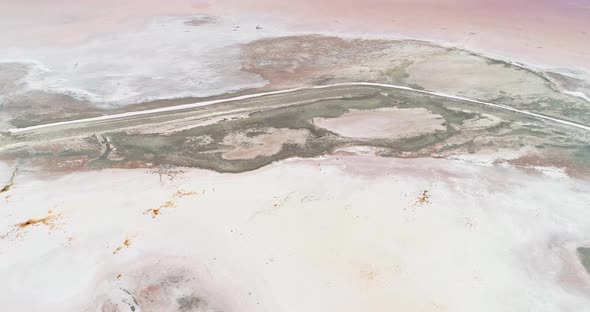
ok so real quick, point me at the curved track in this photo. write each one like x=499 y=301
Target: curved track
x=255 y=95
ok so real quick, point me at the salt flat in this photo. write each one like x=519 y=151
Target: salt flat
x=344 y=232
x=312 y=156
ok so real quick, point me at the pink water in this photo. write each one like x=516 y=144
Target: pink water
x=543 y=32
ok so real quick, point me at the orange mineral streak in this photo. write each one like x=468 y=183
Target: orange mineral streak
x=170 y=203
x=156 y=211
x=20 y=229
x=33 y=222
x=182 y=193
x=423 y=198
x=126 y=244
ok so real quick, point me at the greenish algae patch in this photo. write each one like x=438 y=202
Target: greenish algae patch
x=398 y=74
x=10 y=183
x=584 y=255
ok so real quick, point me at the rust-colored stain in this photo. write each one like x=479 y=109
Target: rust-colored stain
x=10 y=183
x=20 y=229
x=423 y=198
x=183 y=193
x=32 y=222
x=119 y=276
x=277 y=204
x=168 y=204
x=418 y=199
x=154 y=212
x=126 y=244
